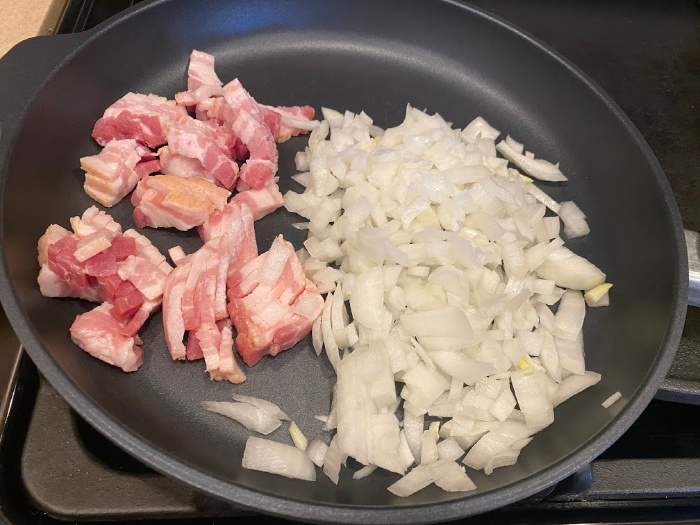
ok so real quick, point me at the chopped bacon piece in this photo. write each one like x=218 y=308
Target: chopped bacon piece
x=172 y=201
x=280 y=120
x=140 y=117
x=249 y=126
x=93 y=220
x=127 y=301
x=277 y=306
x=173 y=164
x=53 y=234
x=173 y=321
x=100 y=335
x=261 y=166
x=145 y=168
x=206 y=142
x=228 y=367
x=263 y=201
x=236 y=220
x=112 y=174
x=97 y=262
x=193 y=350
x=202 y=81
x=194 y=300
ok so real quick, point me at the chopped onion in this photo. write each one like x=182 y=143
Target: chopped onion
x=449 y=449
x=316 y=450
x=538 y=168
x=413 y=431
x=598 y=296
x=263 y=404
x=575 y=224
x=450 y=267
x=364 y=472
x=251 y=417
x=276 y=458
x=611 y=400
x=298 y=436
x=332 y=461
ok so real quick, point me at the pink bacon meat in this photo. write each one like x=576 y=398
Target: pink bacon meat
x=100 y=335
x=284 y=121
x=140 y=117
x=236 y=222
x=208 y=143
x=124 y=272
x=249 y=126
x=114 y=172
x=162 y=201
x=261 y=202
x=194 y=301
x=202 y=80
x=271 y=303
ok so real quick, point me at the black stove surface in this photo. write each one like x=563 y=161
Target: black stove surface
x=54 y=468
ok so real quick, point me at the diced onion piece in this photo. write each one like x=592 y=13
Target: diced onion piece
x=263 y=404
x=332 y=351
x=317 y=336
x=569 y=270
x=364 y=472
x=298 y=436
x=332 y=461
x=596 y=296
x=449 y=449
x=251 y=417
x=451 y=477
x=413 y=430
x=276 y=458
x=574 y=220
x=533 y=398
x=316 y=450
x=568 y=321
x=538 y=168
x=573 y=385
x=419 y=478
x=611 y=400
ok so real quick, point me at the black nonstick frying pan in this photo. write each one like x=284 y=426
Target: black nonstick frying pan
x=372 y=55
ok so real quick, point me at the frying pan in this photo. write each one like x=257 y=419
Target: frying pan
x=376 y=55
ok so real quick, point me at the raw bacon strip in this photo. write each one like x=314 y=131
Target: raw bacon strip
x=261 y=166
x=171 y=201
x=53 y=234
x=249 y=126
x=202 y=81
x=100 y=335
x=140 y=117
x=228 y=367
x=279 y=129
x=263 y=201
x=201 y=71
x=236 y=221
x=146 y=250
x=193 y=350
x=145 y=168
x=113 y=173
x=195 y=300
x=93 y=220
x=240 y=100
x=206 y=142
x=173 y=164
x=124 y=272
x=272 y=304
x=173 y=321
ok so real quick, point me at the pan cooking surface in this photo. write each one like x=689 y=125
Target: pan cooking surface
x=377 y=57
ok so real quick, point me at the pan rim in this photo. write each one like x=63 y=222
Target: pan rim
x=162 y=461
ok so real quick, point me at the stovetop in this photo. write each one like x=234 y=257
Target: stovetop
x=646 y=54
